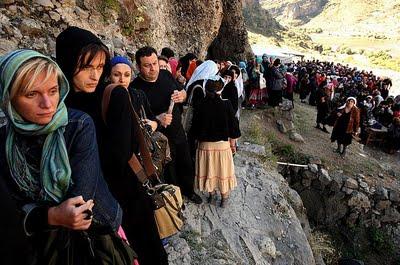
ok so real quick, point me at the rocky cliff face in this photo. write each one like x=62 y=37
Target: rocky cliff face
x=232 y=41
x=258 y=19
x=125 y=25
x=294 y=10
x=339 y=202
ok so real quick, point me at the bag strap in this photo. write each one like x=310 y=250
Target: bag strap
x=145 y=154
x=192 y=92
x=147 y=170
x=106 y=100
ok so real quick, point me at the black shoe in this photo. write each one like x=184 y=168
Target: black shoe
x=324 y=130
x=224 y=202
x=195 y=198
x=318 y=127
x=337 y=150
x=210 y=198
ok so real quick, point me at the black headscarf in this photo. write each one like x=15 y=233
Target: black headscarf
x=69 y=45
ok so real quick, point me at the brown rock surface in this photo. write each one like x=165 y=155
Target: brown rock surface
x=185 y=26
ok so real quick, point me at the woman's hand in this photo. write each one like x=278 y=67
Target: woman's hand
x=165 y=119
x=71 y=213
x=233 y=149
x=179 y=96
x=153 y=124
x=232 y=143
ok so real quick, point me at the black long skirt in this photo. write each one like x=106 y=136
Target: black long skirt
x=339 y=133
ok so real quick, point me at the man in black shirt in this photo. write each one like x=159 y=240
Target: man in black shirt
x=161 y=88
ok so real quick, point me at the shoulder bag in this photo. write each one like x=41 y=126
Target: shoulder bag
x=187 y=116
x=166 y=199
x=156 y=141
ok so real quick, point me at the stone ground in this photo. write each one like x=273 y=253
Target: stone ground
x=259 y=225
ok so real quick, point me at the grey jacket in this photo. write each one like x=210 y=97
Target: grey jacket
x=278 y=80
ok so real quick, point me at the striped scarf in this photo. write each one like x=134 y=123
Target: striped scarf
x=50 y=182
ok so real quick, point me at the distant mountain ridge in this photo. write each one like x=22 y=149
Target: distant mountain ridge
x=363 y=16
x=290 y=10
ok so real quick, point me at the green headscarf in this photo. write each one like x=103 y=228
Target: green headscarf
x=54 y=177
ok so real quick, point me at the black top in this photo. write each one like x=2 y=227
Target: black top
x=159 y=96
x=141 y=104
x=230 y=93
x=214 y=120
x=120 y=142
x=196 y=91
x=118 y=146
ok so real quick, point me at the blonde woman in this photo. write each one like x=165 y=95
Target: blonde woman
x=48 y=155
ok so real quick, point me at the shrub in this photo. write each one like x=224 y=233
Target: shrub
x=105 y=6
x=380 y=242
x=384 y=59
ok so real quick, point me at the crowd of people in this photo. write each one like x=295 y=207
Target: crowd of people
x=346 y=98
x=64 y=159
x=337 y=89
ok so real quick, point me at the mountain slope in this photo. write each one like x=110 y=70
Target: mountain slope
x=341 y=16
x=363 y=17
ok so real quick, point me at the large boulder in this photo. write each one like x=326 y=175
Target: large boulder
x=184 y=26
x=232 y=40
x=261 y=224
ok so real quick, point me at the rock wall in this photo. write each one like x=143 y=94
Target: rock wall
x=125 y=25
x=336 y=199
x=259 y=20
x=232 y=41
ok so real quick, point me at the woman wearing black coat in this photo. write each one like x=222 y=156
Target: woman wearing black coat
x=116 y=136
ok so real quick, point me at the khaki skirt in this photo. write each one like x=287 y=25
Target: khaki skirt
x=214 y=167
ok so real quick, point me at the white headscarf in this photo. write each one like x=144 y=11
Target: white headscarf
x=238 y=82
x=349 y=98
x=203 y=71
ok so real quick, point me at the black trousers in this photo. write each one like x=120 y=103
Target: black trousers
x=141 y=230
x=180 y=171
x=275 y=98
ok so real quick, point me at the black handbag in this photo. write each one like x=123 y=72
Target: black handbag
x=95 y=247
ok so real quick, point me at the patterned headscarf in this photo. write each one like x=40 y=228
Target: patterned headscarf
x=52 y=180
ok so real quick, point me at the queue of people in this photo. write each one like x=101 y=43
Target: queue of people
x=64 y=157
